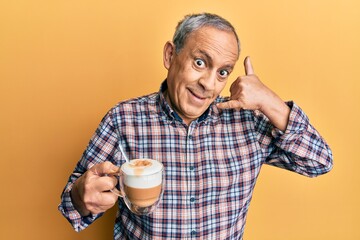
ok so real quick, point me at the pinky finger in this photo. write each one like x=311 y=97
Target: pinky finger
x=232 y=104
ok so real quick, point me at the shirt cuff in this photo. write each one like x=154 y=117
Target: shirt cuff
x=297 y=124
x=68 y=210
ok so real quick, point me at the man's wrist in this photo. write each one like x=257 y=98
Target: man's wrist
x=78 y=202
x=276 y=110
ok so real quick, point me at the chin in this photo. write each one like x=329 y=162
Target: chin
x=196 y=115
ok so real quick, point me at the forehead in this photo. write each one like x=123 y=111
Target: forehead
x=220 y=43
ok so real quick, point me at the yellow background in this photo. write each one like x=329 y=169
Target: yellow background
x=63 y=64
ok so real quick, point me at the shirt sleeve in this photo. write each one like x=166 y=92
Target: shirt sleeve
x=300 y=148
x=102 y=147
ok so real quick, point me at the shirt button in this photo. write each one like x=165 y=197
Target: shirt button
x=190 y=137
x=193 y=232
x=192 y=199
x=191 y=168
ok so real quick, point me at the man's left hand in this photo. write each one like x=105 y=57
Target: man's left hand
x=248 y=92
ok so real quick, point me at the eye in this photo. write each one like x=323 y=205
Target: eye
x=224 y=73
x=199 y=62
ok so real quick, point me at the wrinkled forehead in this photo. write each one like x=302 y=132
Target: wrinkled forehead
x=221 y=41
x=219 y=31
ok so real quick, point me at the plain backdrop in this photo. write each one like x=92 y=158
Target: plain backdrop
x=63 y=64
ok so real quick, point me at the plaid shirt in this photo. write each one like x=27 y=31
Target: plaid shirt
x=211 y=166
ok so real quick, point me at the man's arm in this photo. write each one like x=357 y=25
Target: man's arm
x=294 y=143
x=300 y=148
x=86 y=194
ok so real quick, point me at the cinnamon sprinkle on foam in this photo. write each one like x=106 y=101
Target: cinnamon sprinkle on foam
x=141 y=163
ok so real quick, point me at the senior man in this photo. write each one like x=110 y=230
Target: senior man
x=212 y=147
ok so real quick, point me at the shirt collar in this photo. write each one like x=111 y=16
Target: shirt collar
x=212 y=113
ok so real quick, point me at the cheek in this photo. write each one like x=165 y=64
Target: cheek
x=189 y=73
x=219 y=87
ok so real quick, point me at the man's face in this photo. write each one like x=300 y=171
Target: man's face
x=199 y=72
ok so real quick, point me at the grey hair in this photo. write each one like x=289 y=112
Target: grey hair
x=193 y=22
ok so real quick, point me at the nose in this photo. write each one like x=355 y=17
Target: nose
x=208 y=81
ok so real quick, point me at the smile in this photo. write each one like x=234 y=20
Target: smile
x=197 y=96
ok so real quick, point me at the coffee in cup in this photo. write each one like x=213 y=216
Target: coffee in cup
x=141 y=184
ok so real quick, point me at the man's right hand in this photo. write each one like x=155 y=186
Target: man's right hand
x=91 y=192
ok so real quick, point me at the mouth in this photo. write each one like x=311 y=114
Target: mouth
x=197 y=95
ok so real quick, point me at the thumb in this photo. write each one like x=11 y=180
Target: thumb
x=248 y=66
x=104 y=168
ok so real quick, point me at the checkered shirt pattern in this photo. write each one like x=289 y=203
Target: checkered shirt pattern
x=211 y=166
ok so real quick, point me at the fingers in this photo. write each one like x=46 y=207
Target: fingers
x=104 y=168
x=229 y=104
x=90 y=192
x=101 y=177
x=100 y=202
x=105 y=183
x=248 y=66
x=243 y=90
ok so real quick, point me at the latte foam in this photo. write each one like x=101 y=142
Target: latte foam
x=142 y=173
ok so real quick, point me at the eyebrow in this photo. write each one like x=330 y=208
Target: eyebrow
x=207 y=56
x=210 y=60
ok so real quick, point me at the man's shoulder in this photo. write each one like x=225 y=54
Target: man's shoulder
x=137 y=105
x=140 y=100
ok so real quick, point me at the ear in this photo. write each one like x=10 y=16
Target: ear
x=169 y=52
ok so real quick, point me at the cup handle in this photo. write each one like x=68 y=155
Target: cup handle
x=115 y=190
